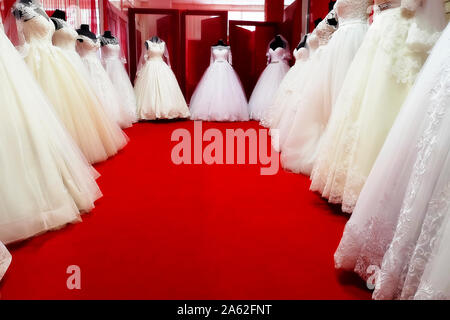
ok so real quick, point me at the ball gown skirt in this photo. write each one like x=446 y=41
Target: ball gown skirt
x=219 y=96
x=268 y=83
x=74 y=101
x=404 y=205
x=45 y=181
x=102 y=84
x=115 y=69
x=373 y=92
x=271 y=115
x=157 y=91
x=315 y=106
x=5 y=260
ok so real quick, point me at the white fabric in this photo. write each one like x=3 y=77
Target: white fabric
x=64 y=85
x=115 y=68
x=219 y=96
x=5 y=260
x=157 y=91
x=103 y=86
x=44 y=179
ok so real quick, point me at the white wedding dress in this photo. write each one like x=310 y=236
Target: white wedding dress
x=269 y=81
x=290 y=102
x=315 y=105
x=88 y=49
x=114 y=66
x=158 y=94
x=219 y=96
x=5 y=260
x=401 y=218
x=65 y=86
x=377 y=83
x=44 y=179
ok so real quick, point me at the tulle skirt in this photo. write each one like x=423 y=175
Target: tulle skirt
x=373 y=92
x=122 y=85
x=266 y=88
x=44 y=179
x=402 y=212
x=5 y=260
x=158 y=94
x=314 y=107
x=75 y=103
x=108 y=94
x=219 y=96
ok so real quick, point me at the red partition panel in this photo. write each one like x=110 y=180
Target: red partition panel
x=317 y=9
x=249 y=41
x=144 y=23
x=199 y=31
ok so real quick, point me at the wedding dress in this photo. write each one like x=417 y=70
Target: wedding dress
x=315 y=105
x=269 y=81
x=64 y=85
x=158 y=94
x=401 y=212
x=5 y=260
x=376 y=85
x=290 y=102
x=219 y=96
x=103 y=86
x=114 y=66
x=45 y=181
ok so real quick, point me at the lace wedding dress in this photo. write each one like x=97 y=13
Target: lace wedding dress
x=158 y=94
x=292 y=79
x=315 y=106
x=114 y=66
x=268 y=83
x=44 y=179
x=376 y=85
x=65 y=86
x=219 y=96
x=401 y=217
x=5 y=260
x=102 y=84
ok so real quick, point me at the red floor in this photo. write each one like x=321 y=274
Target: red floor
x=163 y=231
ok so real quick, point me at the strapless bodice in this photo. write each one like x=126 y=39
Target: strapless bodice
x=301 y=54
x=277 y=55
x=65 y=38
x=352 y=10
x=87 y=48
x=38 y=30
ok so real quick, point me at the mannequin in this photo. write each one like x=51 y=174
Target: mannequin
x=108 y=35
x=108 y=38
x=59 y=14
x=154 y=39
x=220 y=43
x=18 y=14
x=85 y=31
x=278 y=42
x=302 y=43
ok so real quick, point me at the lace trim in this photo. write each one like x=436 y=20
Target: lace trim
x=106 y=41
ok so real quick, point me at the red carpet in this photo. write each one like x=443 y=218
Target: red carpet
x=164 y=231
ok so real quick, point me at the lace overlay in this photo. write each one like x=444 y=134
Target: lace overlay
x=351 y=10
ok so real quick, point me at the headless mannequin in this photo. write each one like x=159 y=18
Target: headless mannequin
x=18 y=14
x=278 y=42
x=59 y=14
x=85 y=31
x=302 y=43
x=220 y=43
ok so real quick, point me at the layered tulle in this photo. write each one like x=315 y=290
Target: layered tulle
x=44 y=179
x=219 y=96
x=158 y=94
x=314 y=107
x=267 y=85
x=373 y=92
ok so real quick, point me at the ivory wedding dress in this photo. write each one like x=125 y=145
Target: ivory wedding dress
x=219 y=96
x=75 y=103
x=88 y=49
x=158 y=94
x=402 y=215
x=5 y=260
x=114 y=66
x=315 y=105
x=44 y=179
x=376 y=85
x=269 y=81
